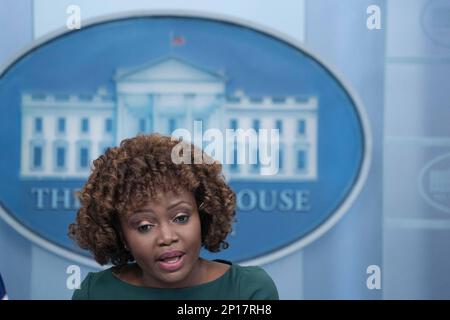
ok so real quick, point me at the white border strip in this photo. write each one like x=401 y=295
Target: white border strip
x=318 y=232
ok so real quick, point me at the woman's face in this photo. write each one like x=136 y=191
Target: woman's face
x=169 y=223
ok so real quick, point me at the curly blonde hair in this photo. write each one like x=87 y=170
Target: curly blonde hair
x=126 y=177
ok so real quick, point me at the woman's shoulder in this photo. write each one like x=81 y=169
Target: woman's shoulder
x=250 y=283
x=91 y=282
x=255 y=283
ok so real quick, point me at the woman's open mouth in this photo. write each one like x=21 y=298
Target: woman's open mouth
x=172 y=264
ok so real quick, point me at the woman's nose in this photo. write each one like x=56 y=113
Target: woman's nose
x=167 y=234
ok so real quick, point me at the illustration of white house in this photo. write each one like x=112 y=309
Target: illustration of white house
x=63 y=134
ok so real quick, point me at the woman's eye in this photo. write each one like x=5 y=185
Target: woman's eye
x=144 y=227
x=182 y=219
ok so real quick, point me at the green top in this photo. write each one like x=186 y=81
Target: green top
x=237 y=283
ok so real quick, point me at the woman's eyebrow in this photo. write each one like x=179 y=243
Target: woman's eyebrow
x=150 y=211
x=138 y=215
x=178 y=203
